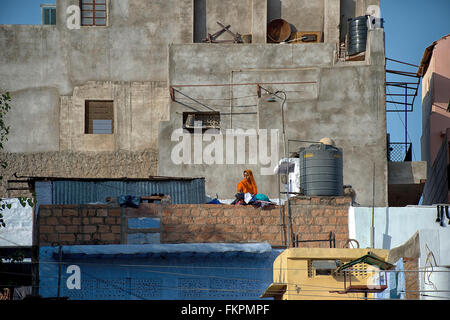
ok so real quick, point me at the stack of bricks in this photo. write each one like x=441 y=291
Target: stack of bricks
x=79 y=224
x=312 y=218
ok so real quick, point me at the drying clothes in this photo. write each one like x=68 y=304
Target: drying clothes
x=248 y=184
x=248 y=198
x=261 y=197
x=214 y=201
x=239 y=198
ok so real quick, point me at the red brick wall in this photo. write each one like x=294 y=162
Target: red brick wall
x=79 y=224
x=311 y=218
x=411 y=278
x=314 y=217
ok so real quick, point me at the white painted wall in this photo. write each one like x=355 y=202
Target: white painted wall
x=393 y=225
x=19 y=224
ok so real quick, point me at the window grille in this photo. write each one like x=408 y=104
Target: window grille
x=93 y=12
x=203 y=120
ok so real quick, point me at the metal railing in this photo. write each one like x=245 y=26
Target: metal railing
x=399 y=151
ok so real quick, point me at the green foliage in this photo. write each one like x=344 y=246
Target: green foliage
x=5 y=106
x=5 y=100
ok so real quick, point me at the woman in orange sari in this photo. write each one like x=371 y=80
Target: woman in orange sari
x=247 y=184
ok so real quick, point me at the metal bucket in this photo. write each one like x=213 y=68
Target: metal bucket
x=278 y=30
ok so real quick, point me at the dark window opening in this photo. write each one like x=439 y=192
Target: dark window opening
x=99 y=117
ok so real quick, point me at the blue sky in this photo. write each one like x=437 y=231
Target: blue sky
x=410 y=26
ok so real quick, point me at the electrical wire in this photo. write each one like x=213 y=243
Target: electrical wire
x=121 y=265
x=325 y=288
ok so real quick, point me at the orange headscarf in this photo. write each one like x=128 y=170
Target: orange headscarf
x=248 y=186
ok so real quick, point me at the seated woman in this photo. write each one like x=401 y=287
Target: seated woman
x=247 y=184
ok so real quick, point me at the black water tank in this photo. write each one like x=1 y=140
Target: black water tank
x=357 y=35
x=321 y=170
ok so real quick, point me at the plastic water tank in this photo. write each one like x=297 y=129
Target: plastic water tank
x=321 y=170
x=357 y=35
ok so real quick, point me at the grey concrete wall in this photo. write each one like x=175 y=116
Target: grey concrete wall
x=346 y=103
x=41 y=63
x=51 y=70
x=303 y=15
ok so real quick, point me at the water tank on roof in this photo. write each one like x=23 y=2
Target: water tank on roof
x=357 y=35
x=321 y=170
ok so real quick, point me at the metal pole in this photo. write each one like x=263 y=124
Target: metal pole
x=406 y=122
x=372 y=229
x=59 y=269
x=286 y=155
x=279 y=203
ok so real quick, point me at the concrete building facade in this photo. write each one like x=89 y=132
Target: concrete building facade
x=55 y=71
x=435 y=72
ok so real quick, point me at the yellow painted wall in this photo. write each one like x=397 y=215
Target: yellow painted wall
x=291 y=267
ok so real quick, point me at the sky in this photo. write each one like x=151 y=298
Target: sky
x=410 y=26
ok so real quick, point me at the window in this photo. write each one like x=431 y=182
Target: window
x=48 y=14
x=321 y=267
x=203 y=120
x=93 y=12
x=99 y=117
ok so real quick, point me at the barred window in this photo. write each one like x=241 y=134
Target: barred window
x=48 y=14
x=99 y=117
x=93 y=12
x=203 y=120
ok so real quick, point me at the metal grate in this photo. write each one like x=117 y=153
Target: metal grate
x=203 y=120
x=399 y=151
x=93 y=12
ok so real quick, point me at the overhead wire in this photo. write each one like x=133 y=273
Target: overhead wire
x=80 y=262
x=322 y=288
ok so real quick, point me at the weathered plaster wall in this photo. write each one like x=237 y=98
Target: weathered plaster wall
x=344 y=102
x=51 y=70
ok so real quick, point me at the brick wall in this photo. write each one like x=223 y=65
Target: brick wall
x=312 y=218
x=411 y=278
x=79 y=224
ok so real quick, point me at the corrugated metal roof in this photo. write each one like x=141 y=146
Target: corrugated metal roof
x=84 y=191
